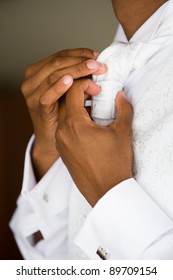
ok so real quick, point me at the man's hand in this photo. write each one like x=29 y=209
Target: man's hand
x=98 y=158
x=45 y=82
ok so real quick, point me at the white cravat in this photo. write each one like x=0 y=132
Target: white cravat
x=122 y=59
x=119 y=58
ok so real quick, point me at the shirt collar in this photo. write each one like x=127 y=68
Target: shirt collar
x=148 y=29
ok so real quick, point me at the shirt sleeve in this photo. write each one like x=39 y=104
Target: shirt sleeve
x=126 y=224
x=43 y=207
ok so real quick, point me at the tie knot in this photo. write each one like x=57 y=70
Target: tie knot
x=119 y=59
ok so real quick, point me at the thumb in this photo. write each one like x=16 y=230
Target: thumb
x=124 y=111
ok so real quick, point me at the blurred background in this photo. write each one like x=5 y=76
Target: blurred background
x=29 y=31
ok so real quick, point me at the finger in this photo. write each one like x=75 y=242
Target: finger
x=77 y=70
x=52 y=95
x=54 y=64
x=76 y=95
x=48 y=99
x=80 y=53
x=84 y=69
x=34 y=68
x=124 y=112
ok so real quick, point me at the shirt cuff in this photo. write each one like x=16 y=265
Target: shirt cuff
x=124 y=222
x=48 y=197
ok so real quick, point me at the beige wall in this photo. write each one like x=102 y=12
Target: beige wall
x=32 y=29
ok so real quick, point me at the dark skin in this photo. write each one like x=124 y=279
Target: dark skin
x=133 y=13
x=45 y=82
x=99 y=158
x=44 y=85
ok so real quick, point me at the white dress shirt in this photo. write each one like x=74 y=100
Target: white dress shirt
x=134 y=220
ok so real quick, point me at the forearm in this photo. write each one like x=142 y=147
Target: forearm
x=133 y=13
x=42 y=160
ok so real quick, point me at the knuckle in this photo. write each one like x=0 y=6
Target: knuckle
x=57 y=61
x=24 y=88
x=44 y=103
x=62 y=53
x=28 y=71
x=81 y=68
x=86 y=51
x=52 y=79
x=83 y=84
x=30 y=103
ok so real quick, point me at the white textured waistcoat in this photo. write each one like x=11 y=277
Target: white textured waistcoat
x=152 y=135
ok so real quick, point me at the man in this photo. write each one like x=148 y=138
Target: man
x=117 y=216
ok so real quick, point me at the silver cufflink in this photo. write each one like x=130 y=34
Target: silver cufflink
x=102 y=253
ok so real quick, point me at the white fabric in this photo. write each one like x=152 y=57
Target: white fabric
x=133 y=228
x=122 y=58
x=134 y=220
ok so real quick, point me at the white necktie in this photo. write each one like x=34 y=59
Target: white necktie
x=121 y=60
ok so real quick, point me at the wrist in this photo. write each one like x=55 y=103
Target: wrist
x=99 y=189
x=42 y=159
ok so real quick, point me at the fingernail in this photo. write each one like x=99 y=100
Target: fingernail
x=96 y=54
x=67 y=80
x=101 y=66
x=92 y=64
x=122 y=93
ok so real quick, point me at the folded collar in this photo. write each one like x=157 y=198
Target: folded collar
x=149 y=28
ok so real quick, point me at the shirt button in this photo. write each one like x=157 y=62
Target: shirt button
x=102 y=253
x=45 y=197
